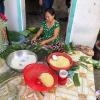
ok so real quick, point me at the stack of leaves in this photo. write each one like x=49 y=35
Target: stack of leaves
x=13 y=36
x=95 y=63
x=37 y=49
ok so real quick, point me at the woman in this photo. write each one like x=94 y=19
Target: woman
x=49 y=29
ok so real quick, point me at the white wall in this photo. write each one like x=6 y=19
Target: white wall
x=15 y=14
x=86 y=23
x=11 y=13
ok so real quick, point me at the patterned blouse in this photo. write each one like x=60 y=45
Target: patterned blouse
x=48 y=32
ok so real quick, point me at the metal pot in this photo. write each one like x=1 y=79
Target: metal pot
x=22 y=59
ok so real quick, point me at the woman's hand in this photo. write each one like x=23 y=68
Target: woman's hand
x=37 y=35
x=43 y=43
x=33 y=39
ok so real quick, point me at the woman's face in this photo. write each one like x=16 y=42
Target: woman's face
x=49 y=17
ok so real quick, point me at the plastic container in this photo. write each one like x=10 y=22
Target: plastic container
x=62 y=78
x=32 y=73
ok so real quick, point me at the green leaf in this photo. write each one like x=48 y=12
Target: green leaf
x=76 y=79
x=13 y=36
x=67 y=48
x=25 y=33
x=96 y=64
x=74 y=68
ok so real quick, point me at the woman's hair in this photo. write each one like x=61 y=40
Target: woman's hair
x=51 y=11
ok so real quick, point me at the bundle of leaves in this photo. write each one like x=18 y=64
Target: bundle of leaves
x=38 y=49
x=9 y=50
x=69 y=48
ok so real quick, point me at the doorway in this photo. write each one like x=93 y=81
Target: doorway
x=33 y=15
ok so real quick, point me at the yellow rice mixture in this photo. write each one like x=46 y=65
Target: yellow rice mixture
x=47 y=79
x=61 y=62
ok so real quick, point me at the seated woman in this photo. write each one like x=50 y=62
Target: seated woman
x=49 y=30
